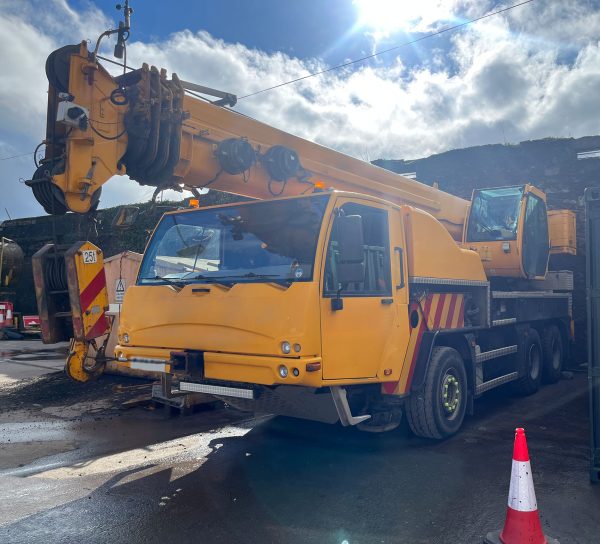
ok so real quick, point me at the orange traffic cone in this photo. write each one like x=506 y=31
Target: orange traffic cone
x=522 y=525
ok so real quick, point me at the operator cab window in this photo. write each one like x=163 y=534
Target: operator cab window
x=376 y=246
x=535 y=237
x=495 y=214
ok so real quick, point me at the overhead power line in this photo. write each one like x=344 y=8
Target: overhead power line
x=15 y=156
x=349 y=63
x=377 y=53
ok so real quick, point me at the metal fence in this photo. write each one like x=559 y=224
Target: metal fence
x=592 y=215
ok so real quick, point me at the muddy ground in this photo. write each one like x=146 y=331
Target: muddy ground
x=75 y=466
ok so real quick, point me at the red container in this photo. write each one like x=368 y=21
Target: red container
x=31 y=322
x=6 y=314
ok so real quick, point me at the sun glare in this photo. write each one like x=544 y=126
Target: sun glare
x=385 y=17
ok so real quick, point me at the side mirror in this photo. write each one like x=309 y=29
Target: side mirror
x=125 y=217
x=351 y=263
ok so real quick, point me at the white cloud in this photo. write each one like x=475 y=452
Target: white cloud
x=530 y=73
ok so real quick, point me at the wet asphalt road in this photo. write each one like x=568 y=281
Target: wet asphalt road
x=81 y=470
x=27 y=359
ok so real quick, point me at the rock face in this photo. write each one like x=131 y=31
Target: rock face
x=551 y=164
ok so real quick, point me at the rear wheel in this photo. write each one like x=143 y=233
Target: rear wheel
x=529 y=361
x=438 y=409
x=552 y=351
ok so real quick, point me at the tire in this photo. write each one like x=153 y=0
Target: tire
x=553 y=354
x=438 y=409
x=529 y=359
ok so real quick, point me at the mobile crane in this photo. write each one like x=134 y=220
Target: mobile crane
x=342 y=292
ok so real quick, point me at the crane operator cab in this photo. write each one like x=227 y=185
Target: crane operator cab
x=508 y=227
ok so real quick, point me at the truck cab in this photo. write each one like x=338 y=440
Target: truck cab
x=309 y=291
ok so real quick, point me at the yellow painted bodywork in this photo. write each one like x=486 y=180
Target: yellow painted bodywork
x=563 y=238
x=432 y=252
x=240 y=329
x=505 y=258
x=91 y=160
x=248 y=318
x=91 y=85
x=367 y=337
x=74 y=365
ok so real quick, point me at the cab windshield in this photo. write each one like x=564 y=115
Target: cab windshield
x=255 y=242
x=495 y=214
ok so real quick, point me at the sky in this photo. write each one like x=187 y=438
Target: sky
x=528 y=73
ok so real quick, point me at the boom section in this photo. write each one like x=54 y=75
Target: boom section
x=142 y=124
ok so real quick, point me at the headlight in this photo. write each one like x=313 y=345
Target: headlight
x=283 y=371
x=286 y=347
x=125 y=338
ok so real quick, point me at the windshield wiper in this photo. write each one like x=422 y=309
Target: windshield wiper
x=280 y=281
x=179 y=285
x=228 y=281
x=210 y=279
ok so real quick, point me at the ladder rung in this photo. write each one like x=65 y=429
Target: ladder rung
x=486 y=386
x=494 y=353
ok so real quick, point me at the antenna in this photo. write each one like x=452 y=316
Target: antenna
x=122 y=32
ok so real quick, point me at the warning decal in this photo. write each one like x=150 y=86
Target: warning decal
x=119 y=290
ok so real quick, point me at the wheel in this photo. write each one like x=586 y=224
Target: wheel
x=529 y=360
x=438 y=409
x=552 y=354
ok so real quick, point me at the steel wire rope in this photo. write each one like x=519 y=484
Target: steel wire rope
x=332 y=68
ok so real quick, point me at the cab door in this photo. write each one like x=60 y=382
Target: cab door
x=367 y=335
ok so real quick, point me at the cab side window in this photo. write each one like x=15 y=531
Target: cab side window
x=376 y=246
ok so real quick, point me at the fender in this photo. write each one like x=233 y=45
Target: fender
x=423 y=358
x=428 y=342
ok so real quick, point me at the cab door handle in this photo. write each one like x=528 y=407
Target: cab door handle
x=387 y=301
x=400 y=252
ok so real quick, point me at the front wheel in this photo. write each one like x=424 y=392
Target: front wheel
x=438 y=409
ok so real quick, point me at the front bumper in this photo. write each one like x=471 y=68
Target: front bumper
x=227 y=367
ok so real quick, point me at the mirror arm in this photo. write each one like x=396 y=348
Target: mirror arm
x=337 y=303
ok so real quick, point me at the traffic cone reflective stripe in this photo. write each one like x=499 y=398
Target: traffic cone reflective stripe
x=522 y=525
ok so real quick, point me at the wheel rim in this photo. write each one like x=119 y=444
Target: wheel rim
x=451 y=394
x=555 y=354
x=534 y=361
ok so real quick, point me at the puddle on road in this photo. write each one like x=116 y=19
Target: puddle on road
x=35 y=431
x=79 y=408
x=25 y=441
x=19 y=455
x=32 y=355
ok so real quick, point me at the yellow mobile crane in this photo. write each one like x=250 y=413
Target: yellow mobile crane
x=344 y=292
